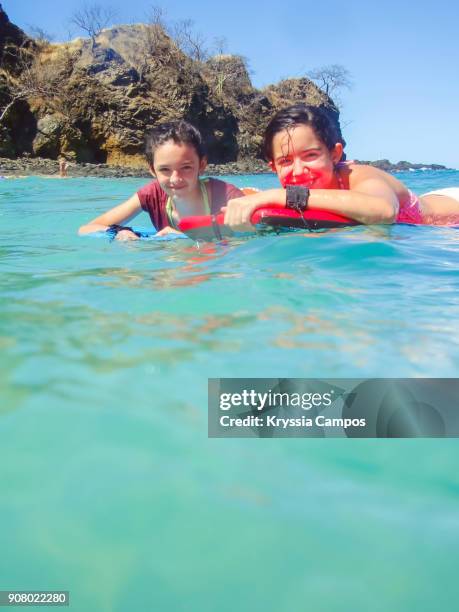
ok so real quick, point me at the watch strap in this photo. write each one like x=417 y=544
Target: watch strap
x=297 y=197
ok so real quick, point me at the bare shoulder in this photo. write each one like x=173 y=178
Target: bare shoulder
x=361 y=172
x=358 y=173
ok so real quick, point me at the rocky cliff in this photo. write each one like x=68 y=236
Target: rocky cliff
x=13 y=41
x=92 y=101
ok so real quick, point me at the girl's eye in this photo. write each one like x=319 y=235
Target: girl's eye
x=284 y=162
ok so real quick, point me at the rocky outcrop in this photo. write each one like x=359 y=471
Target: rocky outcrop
x=13 y=42
x=401 y=166
x=12 y=38
x=37 y=166
x=93 y=102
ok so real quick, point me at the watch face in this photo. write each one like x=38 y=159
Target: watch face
x=297 y=197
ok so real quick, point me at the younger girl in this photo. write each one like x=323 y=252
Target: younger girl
x=176 y=157
x=303 y=147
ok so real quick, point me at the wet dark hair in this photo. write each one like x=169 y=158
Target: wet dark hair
x=181 y=132
x=301 y=114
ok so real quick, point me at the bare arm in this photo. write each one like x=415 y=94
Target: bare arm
x=371 y=200
x=117 y=215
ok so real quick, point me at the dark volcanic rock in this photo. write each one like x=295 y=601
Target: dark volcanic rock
x=109 y=93
x=17 y=124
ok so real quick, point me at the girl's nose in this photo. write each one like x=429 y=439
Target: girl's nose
x=298 y=168
x=175 y=176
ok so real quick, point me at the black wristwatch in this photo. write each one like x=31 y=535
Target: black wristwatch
x=297 y=198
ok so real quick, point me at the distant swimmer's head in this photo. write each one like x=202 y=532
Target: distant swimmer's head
x=176 y=155
x=303 y=145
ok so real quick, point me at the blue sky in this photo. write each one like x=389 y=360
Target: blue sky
x=403 y=56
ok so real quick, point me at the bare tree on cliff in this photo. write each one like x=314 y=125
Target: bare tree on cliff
x=157 y=17
x=92 y=19
x=332 y=80
x=189 y=41
x=150 y=44
x=36 y=79
x=220 y=45
x=42 y=37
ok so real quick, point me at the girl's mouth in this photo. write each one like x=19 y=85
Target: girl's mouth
x=302 y=181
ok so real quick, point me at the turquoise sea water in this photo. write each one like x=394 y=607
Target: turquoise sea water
x=110 y=486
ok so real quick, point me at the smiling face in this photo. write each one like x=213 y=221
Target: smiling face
x=301 y=158
x=177 y=167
